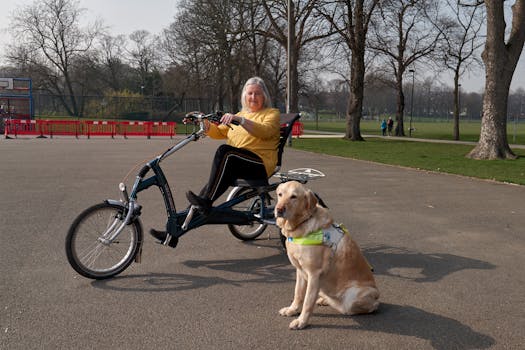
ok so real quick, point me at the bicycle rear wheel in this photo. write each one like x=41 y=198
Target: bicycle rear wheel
x=87 y=248
x=253 y=205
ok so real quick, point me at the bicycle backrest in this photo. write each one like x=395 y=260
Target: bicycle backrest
x=287 y=122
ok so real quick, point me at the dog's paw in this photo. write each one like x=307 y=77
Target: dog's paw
x=288 y=311
x=321 y=302
x=297 y=324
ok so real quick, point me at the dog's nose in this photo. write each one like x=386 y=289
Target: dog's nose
x=279 y=211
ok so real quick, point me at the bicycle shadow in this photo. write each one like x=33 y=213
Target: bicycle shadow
x=419 y=267
x=269 y=269
x=442 y=332
x=387 y=261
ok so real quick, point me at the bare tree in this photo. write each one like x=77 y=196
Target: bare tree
x=143 y=57
x=304 y=28
x=351 y=19
x=111 y=51
x=500 y=56
x=462 y=40
x=404 y=35
x=211 y=39
x=51 y=30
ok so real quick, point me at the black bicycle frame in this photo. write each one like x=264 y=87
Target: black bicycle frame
x=221 y=214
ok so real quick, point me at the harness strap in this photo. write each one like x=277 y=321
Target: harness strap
x=329 y=236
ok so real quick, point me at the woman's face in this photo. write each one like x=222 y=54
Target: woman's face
x=254 y=97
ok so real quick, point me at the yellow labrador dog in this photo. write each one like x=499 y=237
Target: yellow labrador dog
x=331 y=269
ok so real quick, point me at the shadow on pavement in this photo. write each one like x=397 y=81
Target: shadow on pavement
x=443 y=333
x=270 y=269
x=419 y=267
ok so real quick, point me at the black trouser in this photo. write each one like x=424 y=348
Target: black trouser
x=232 y=163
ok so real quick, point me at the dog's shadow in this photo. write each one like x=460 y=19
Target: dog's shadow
x=386 y=260
x=416 y=266
x=443 y=333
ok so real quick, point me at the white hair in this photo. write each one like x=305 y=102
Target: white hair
x=256 y=81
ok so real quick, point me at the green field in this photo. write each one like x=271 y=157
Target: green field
x=468 y=131
x=448 y=158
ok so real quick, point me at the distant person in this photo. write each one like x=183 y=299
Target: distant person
x=390 y=125
x=383 y=127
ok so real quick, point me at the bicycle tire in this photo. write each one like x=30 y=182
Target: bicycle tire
x=91 y=257
x=251 y=231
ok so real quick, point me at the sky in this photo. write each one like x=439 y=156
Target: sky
x=126 y=16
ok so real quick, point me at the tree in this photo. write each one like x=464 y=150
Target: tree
x=461 y=39
x=113 y=70
x=213 y=49
x=403 y=35
x=50 y=30
x=500 y=58
x=144 y=59
x=351 y=19
x=297 y=19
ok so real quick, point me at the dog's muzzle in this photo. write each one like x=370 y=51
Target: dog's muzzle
x=279 y=212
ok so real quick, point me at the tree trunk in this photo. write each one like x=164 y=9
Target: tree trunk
x=400 y=128
x=500 y=60
x=355 y=101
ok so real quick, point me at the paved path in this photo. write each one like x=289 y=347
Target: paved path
x=448 y=252
x=327 y=134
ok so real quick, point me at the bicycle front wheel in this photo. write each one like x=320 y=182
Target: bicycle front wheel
x=87 y=247
x=251 y=231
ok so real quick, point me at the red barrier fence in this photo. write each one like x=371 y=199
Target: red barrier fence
x=44 y=128
x=297 y=129
x=50 y=128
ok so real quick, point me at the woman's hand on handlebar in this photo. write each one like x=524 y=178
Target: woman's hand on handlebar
x=229 y=118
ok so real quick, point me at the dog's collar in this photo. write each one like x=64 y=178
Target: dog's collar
x=329 y=236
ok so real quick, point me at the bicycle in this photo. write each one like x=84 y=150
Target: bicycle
x=106 y=238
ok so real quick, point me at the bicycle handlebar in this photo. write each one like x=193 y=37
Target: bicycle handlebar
x=197 y=118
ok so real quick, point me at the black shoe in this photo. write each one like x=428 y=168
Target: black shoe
x=161 y=237
x=158 y=235
x=201 y=202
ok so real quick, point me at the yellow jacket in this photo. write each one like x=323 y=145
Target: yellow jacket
x=263 y=141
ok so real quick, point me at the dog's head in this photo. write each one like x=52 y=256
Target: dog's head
x=295 y=203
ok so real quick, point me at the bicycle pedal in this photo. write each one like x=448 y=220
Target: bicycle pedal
x=171 y=241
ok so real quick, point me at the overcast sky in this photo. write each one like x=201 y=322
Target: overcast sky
x=126 y=16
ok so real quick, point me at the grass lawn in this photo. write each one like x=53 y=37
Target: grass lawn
x=448 y=158
x=468 y=131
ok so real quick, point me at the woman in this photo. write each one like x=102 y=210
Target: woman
x=251 y=148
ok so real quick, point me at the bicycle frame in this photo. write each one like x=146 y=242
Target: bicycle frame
x=247 y=211
x=180 y=223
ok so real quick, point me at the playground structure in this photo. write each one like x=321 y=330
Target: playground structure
x=16 y=98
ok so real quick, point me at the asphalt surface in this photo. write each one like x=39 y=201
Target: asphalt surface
x=448 y=254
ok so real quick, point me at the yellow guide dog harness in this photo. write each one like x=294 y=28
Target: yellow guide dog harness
x=330 y=236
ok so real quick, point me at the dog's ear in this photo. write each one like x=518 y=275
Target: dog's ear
x=311 y=201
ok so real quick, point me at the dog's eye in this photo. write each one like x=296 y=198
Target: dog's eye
x=279 y=194
x=293 y=196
